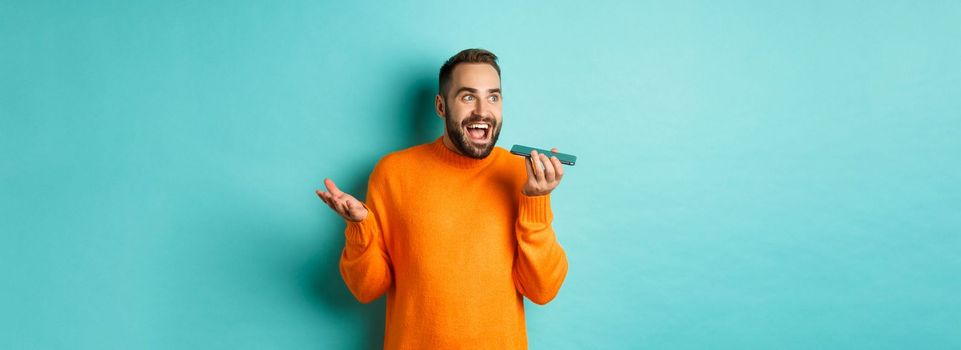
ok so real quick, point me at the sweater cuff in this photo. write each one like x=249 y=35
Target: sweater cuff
x=535 y=208
x=359 y=233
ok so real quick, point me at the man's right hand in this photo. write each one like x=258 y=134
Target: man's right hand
x=344 y=204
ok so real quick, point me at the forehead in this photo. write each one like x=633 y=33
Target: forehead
x=476 y=75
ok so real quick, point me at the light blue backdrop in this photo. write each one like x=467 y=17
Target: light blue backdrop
x=751 y=175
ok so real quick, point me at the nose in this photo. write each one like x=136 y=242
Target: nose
x=481 y=108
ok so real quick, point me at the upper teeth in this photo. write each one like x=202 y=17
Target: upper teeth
x=482 y=126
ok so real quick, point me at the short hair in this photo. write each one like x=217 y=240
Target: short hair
x=465 y=56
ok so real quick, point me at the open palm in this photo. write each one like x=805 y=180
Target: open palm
x=344 y=204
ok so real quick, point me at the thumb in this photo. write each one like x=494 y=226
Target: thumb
x=354 y=207
x=527 y=165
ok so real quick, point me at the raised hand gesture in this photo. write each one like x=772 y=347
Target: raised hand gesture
x=344 y=204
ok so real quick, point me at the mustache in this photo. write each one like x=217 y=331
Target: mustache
x=490 y=121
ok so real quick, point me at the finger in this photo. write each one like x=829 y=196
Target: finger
x=353 y=206
x=330 y=202
x=332 y=187
x=554 y=150
x=323 y=196
x=558 y=168
x=346 y=208
x=349 y=205
x=527 y=165
x=538 y=168
x=548 y=168
x=333 y=202
x=329 y=197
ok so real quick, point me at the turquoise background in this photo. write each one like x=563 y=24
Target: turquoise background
x=751 y=175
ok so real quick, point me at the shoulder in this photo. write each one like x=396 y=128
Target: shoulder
x=511 y=164
x=501 y=154
x=398 y=161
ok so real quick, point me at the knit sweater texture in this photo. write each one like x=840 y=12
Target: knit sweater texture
x=456 y=246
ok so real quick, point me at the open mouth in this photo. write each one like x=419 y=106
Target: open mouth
x=479 y=132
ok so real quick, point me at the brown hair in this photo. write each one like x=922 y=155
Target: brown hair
x=465 y=56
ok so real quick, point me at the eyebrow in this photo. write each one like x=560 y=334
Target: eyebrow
x=473 y=90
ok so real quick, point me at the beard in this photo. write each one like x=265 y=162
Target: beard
x=463 y=142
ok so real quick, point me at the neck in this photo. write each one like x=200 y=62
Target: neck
x=450 y=145
x=449 y=154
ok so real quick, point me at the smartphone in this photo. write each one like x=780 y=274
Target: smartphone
x=526 y=152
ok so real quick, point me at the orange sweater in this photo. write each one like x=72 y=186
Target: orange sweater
x=455 y=245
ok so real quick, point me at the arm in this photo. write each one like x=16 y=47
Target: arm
x=540 y=265
x=364 y=263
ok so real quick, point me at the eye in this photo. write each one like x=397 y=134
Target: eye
x=468 y=98
x=494 y=98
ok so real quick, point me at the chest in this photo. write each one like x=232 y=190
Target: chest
x=455 y=219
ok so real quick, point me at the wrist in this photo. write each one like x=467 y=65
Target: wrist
x=534 y=193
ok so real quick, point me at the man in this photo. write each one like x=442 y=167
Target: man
x=454 y=231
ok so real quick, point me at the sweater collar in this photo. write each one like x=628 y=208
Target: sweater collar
x=458 y=160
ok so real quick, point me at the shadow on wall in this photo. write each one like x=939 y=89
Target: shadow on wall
x=329 y=287
x=422 y=126
x=425 y=124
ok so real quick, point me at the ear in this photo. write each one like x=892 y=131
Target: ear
x=439 y=106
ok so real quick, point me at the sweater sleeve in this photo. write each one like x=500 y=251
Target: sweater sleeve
x=364 y=262
x=540 y=265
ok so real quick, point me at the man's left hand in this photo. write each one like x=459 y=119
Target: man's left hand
x=543 y=174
